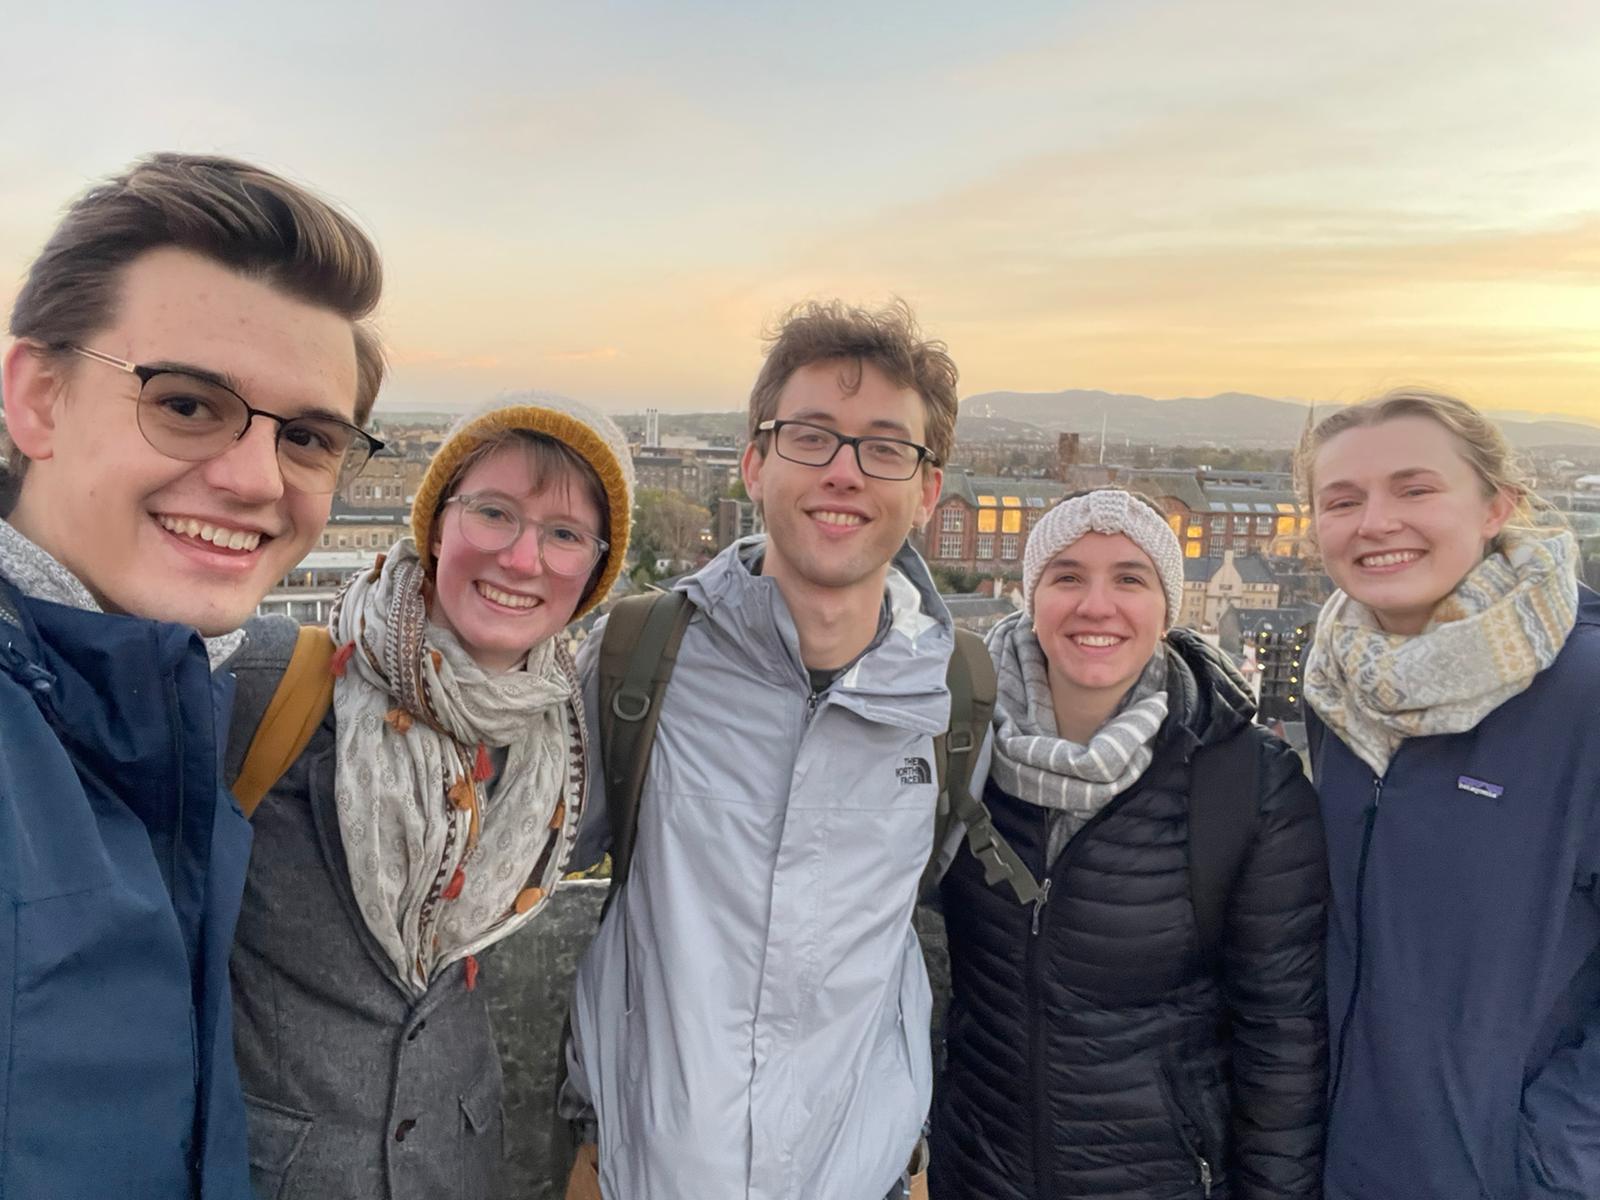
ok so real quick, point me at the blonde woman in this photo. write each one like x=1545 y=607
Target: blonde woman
x=1453 y=692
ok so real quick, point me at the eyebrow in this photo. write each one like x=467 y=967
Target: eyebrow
x=1397 y=477
x=223 y=379
x=1129 y=565
x=820 y=417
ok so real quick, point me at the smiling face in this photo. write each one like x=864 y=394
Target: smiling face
x=195 y=543
x=1401 y=517
x=834 y=527
x=1099 y=612
x=500 y=605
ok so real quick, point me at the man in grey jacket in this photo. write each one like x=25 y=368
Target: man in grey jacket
x=751 y=1020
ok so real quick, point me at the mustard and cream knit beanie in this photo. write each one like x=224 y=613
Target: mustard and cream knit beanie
x=593 y=436
x=1105 y=510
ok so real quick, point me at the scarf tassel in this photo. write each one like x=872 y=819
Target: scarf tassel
x=482 y=768
x=457 y=882
x=341 y=659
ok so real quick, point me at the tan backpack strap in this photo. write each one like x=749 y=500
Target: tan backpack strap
x=292 y=716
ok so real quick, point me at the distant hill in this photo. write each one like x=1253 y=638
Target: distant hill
x=1227 y=419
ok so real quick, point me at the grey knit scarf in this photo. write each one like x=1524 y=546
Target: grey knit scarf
x=1033 y=763
x=35 y=573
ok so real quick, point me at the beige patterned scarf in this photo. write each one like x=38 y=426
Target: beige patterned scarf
x=444 y=858
x=1504 y=623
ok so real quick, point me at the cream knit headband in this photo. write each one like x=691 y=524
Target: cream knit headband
x=1105 y=510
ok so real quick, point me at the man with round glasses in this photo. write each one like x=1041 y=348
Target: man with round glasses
x=752 y=1018
x=191 y=367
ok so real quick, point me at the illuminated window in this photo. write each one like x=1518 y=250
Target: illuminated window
x=1194 y=532
x=1286 y=525
x=1191 y=550
x=1011 y=521
x=987 y=520
x=1176 y=521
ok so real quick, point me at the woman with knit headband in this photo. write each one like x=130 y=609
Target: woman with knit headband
x=1452 y=687
x=429 y=817
x=1100 y=1042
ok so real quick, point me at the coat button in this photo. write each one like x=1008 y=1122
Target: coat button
x=404 y=1128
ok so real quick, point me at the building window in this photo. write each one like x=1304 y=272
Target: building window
x=949 y=545
x=1219 y=525
x=1241 y=525
x=1263 y=524
x=1008 y=546
x=987 y=520
x=985 y=543
x=952 y=520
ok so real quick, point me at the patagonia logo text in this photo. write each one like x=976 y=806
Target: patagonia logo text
x=1479 y=787
x=914 y=771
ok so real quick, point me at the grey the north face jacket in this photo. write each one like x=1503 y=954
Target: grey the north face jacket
x=751 y=1020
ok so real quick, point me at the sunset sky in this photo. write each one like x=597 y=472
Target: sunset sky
x=610 y=200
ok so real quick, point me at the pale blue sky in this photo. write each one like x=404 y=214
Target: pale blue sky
x=1171 y=198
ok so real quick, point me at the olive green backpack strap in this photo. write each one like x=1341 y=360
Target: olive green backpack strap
x=292 y=716
x=972 y=683
x=638 y=649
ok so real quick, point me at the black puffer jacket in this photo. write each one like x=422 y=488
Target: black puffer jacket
x=1091 y=1055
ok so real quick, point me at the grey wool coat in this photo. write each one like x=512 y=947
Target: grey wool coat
x=353 y=1090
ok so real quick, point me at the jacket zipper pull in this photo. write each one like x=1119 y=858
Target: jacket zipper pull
x=1039 y=902
x=1205 y=1178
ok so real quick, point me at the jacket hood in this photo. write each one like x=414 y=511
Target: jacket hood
x=1208 y=700
x=900 y=679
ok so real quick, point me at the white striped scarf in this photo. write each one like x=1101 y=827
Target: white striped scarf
x=1034 y=764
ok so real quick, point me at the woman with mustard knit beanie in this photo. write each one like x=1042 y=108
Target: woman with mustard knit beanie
x=429 y=817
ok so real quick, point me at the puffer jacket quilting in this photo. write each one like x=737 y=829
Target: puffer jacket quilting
x=1097 y=1058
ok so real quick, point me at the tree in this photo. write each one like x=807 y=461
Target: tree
x=668 y=524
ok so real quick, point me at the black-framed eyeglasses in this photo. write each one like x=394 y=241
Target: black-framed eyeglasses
x=815 y=446
x=492 y=523
x=193 y=419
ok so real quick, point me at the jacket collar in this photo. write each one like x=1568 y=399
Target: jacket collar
x=901 y=677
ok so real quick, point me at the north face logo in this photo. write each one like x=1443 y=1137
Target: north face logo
x=914 y=771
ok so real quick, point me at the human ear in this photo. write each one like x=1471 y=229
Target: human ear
x=34 y=385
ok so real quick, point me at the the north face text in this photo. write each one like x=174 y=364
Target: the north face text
x=914 y=771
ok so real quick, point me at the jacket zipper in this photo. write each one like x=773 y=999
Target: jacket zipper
x=1042 y=1174
x=1041 y=1138
x=1188 y=1123
x=1369 y=822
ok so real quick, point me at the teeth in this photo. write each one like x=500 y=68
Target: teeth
x=1393 y=559
x=228 y=539
x=509 y=599
x=1096 y=639
x=839 y=518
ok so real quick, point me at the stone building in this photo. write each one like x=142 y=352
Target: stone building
x=1211 y=586
x=980 y=523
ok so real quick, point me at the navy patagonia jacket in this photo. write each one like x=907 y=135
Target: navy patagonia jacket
x=121 y=866
x=1466 y=1059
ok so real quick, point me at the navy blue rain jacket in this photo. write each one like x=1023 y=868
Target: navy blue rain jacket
x=1467 y=1062
x=121 y=866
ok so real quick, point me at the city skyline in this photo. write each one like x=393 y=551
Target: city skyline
x=1147 y=197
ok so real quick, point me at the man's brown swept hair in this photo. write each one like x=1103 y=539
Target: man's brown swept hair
x=238 y=215
x=888 y=338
